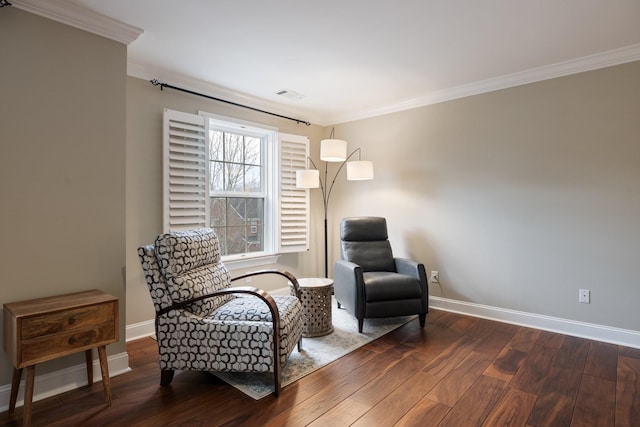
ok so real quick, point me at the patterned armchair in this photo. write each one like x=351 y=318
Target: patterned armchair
x=204 y=324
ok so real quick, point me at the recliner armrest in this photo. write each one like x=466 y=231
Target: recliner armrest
x=260 y=293
x=415 y=269
x=290 y=277
x=408 y=267
x=345 y=266
x=348 y=286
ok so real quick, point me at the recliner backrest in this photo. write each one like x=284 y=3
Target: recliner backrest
x=364 y=241
x=191 y=266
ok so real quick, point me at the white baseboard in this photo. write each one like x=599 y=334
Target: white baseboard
x=135 y=331
x=592 y=331
x=57 y=382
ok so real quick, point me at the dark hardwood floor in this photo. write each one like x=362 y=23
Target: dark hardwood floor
x=458 y=371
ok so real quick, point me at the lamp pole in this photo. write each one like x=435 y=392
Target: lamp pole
x=326 y=194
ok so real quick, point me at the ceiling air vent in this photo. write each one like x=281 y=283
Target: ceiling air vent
x=291 y=94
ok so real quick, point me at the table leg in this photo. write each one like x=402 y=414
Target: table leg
x=28 y=395
x=15 y=385
x=104 y=368
x=89 y=360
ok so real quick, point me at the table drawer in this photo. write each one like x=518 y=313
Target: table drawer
x=76 y=319
x=46 y=347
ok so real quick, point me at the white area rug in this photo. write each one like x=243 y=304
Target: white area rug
x=316 y=352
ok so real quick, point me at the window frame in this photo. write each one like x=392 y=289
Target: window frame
x=269 y=143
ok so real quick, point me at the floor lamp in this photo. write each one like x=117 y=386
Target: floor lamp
x=333 y=151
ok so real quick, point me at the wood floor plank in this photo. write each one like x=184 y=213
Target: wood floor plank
x=556 y=400
x=436 y=339
x=476 y=404
x=602 y=360
x=550 y=339
x=377 y=389
x=463 y=324
x=506 y=328
x=344 y=414
x=493 y=344
x=450 y=357
x=513 y=409
x=308 y=410
x=506 y=364
x=425 y=413
x=628 y=392
x=524 y=339
x=571 y=379
x=596 y=403
x=482 y=328
x=397 y=403
x=629 y=352
x=532 y=375
x=457 y=382
x=572 y=353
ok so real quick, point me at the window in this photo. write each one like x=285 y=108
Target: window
x=239 y=191
x=237 y=178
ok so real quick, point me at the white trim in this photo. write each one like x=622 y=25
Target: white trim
x=139 y=330
x=560 y=69
x=575 y=328
x=608 y=334
x=82 y=18
x=573 y=66
x=70 y=378
x=249 y=261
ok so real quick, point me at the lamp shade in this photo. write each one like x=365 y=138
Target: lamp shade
x=307 y=178
x=333 y=150
x=359 y=170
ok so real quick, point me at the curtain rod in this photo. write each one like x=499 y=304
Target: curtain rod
x=155 y=82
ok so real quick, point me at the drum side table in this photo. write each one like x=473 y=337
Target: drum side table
x=315 y=294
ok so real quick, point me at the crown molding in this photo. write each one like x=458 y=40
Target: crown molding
x=574 y=66
x=82 y=18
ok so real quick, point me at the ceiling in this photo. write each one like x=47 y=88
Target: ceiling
x=352 y=59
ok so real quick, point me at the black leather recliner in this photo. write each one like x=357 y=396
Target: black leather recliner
x=369 y=281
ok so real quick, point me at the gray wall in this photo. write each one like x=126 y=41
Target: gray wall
x=62 y=165
x=518 y=197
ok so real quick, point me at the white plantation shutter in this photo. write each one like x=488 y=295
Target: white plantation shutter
x=293 y=201
x=185 y=170
x=186 y=182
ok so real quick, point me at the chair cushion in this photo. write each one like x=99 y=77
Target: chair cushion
x=371 y=256
x=244 y=311
x=181 y=251
x=250 y=308
x=367 y=228
x=385 y=286
x=190 y=263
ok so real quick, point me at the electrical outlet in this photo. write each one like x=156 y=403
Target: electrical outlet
x=584 y=296
x=435 y=277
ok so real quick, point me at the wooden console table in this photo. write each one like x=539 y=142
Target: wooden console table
x=42 y=329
